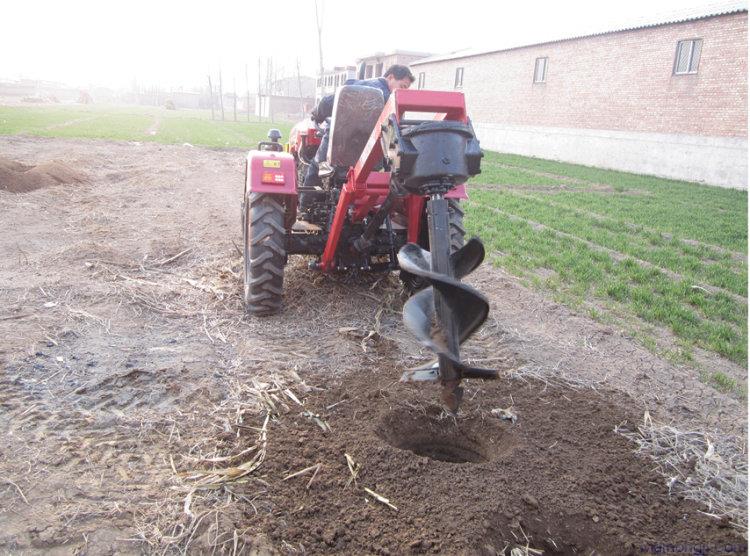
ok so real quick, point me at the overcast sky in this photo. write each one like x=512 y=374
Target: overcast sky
x=176 y=43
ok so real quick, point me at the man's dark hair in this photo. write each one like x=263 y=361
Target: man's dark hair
x=399 y=72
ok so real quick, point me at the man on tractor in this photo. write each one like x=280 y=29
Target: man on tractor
x=395 y=77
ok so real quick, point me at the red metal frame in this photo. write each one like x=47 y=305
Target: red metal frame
x=366 y=189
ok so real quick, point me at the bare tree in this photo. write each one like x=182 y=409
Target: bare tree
x=319 y=24
x=221 y=95
x=211 y=95
x=269 y=86
x=260 y=94
x=299 y=86
x=247 y=93
x=234 y=96
x=299 y=80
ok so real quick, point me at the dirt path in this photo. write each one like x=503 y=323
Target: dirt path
x=153 y=129
x=71 y=122
x=128 y=371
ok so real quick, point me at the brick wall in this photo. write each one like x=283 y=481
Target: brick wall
x=618 y=81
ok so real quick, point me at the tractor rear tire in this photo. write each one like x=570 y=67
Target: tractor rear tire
x=413 y=283
x=456 y=224
x=264 y=253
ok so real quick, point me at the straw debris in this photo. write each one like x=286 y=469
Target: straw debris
x=381 y=499
x=710 y=471
x=354 y=469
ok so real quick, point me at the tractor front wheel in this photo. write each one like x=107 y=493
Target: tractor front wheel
x=264 y=253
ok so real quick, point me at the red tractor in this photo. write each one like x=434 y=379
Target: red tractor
x=389 y=200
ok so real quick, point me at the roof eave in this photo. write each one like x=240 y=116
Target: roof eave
x=576 y=37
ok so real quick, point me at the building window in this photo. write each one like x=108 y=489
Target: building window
x=459 y=82
x=540 y=70
x=379 y=70
x=420 y=81
x=687 y=57
x=368 y=71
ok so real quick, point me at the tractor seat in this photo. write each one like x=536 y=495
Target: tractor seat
x=356 y=110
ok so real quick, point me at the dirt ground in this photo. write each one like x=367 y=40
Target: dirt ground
x=143 y=411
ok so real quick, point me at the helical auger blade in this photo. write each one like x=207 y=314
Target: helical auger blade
x=462 y=305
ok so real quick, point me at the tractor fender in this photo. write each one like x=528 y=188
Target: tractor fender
x=270 y=172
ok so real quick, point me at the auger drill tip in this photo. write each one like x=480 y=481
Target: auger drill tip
x=451 y=395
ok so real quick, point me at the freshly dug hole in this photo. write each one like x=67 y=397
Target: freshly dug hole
x=447 y=440
x=559 y=479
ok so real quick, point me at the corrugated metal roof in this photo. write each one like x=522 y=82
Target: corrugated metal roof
x=681 y=16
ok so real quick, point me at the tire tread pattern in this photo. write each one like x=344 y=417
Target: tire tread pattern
x=265 y=254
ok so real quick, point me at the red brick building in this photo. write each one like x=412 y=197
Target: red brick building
x=667 y=99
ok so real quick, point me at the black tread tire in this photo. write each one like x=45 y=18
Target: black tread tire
x=264 y=253
x=414 y=283
x=456 y=224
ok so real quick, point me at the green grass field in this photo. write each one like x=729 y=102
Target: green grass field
x=671 y=254
x=648 y=253
x=135 y=123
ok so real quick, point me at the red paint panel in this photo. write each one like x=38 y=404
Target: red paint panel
x=271 y=172
x=312 y=137
x=451 y=103
x=414 y=206
x=458 y=192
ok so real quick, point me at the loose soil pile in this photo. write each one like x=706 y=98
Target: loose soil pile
x=559 y=479
x=142 y=410
x=21 y=178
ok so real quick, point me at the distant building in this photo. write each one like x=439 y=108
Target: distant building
x=185 y=99
x=282 y=108
x=302 y=86
x=374 y=66
x=667 y=98
x=37 y=90
x=377 y=64
x=330 y=79
x=284 y=101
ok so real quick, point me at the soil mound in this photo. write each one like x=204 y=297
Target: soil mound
x=558 y=480
x=21 y=178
